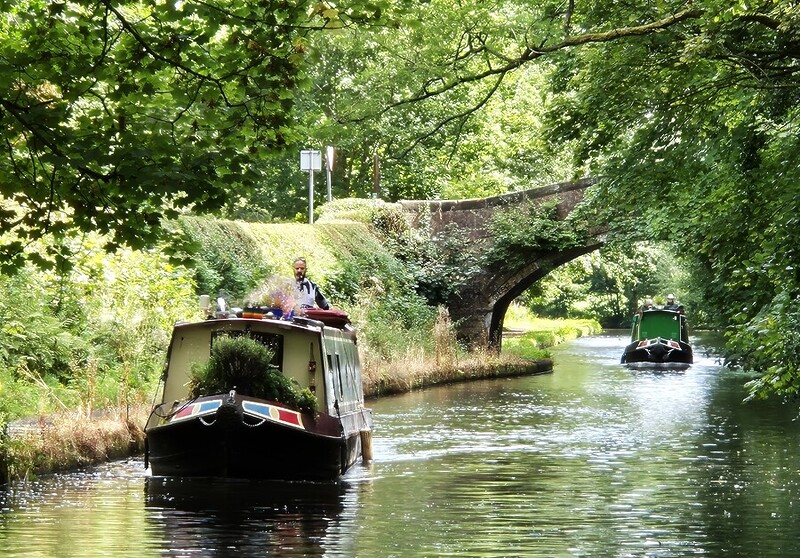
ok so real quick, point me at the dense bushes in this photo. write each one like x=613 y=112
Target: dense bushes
x=92 y=336
x=224 y=258
x=95 y=335
x=526 y=232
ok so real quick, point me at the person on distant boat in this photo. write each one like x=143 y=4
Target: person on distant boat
x=648 y=305
x=308 y=293
x=672 y=304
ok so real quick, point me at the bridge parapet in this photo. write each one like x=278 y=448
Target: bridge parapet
x=474 y=214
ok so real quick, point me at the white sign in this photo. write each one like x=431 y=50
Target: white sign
x=329 y=153
x=310 y=160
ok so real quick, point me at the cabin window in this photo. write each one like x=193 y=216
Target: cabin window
x=332 y=371
x=341 y=358
x=346 y=374
x=335 y=366
x=339 y=372
x=350 y=373
x=272 y=341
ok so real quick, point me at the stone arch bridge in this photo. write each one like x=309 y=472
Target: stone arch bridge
x=482 y=303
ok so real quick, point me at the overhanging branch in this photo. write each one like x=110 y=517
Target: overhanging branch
x=532 y=53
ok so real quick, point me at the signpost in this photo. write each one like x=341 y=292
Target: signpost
x=310 y=161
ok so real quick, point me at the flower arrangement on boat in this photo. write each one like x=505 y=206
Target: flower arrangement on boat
x=277 y=295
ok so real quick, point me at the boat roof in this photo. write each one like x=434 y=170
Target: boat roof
x=297 y=324
x=660 y=311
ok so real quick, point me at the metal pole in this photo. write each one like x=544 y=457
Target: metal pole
x=310 y=197
x=310 y=161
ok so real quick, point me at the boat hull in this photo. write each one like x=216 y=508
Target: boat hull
x=658 y=352
x=232 y=442
x=255 y=419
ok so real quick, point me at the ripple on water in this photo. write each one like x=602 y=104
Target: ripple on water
x=592 y=460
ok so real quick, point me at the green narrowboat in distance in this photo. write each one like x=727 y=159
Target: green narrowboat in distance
x=659 y=339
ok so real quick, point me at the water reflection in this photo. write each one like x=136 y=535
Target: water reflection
x=97 y=512
x=593 y=460
x=216 y=517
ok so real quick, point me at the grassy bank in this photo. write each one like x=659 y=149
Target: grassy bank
x=528 y=336
x=526 y=340
x=70 y=440
x=417 y=372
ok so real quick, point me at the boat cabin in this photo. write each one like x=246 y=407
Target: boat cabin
x=659 y=323
x=305 y=351
x=238 y=433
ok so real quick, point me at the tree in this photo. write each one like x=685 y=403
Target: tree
x=116 y=115
x=696 y=133
x=452 y=67
x=362 y=78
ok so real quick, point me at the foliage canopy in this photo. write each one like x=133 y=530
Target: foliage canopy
x=115 y=116
x=695 y=130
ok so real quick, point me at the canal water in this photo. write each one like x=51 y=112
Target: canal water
x=591 y=460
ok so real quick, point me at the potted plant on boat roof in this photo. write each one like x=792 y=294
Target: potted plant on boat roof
x=276 y=296
x=242 y=363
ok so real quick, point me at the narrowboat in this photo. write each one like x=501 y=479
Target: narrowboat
x=660 y=339
x=298 y=416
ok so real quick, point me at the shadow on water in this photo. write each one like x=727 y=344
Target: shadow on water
x=223 y=517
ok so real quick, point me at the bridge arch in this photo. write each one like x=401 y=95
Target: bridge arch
x=480 y=307
x=483 y=324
